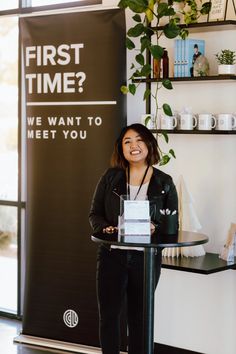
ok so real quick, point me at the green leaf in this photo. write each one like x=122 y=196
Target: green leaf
x=171 y=30
x=137 y=18
x=136 y=30
x=171 y=151
x=167 y=110
x=146 y=70
x=147 y=93
x=184 y=33
x=137 y=73
x=137 y=6
x=165 y=10
x=162 y=9
x=132 y=88
x=132 y=66
x=124 y=90
x=123 y=4
x=148 y=31
x=167 y=84
x=140 y=59
x=145 y=43
x=165 y=159
x=165 y=136
x=129 y=44
x=156 y=51
x=147 y=119
x=206 y=8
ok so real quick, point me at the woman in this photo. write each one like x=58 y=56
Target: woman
x=120 y=270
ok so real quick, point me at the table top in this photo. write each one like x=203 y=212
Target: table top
x=181 y=239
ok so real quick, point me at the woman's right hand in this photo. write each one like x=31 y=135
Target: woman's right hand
x=110 y=229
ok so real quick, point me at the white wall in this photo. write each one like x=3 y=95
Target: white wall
x=198 y=312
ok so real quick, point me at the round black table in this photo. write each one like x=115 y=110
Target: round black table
x=181 y=239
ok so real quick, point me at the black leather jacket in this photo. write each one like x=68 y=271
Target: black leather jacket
x=105 y=206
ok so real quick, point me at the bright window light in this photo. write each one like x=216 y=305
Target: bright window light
x=9 y=4
x=50 y=2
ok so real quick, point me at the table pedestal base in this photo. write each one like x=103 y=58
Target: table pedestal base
x=148 y=300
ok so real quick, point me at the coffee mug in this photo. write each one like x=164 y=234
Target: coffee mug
x=226 y=121
x=188 y=121
x=168 y=122
x=206 y=121
x=151 y=122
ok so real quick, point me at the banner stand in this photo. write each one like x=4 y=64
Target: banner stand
x=56 y=344
x=74 y=110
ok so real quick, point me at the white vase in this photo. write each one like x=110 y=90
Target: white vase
x=226 y=69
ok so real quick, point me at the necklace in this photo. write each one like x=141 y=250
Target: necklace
x=128 y=187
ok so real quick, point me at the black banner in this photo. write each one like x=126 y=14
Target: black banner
x=74 y=65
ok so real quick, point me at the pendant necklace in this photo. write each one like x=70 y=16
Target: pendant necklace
x=128 y=187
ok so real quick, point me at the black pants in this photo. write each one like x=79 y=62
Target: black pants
x=120 y=277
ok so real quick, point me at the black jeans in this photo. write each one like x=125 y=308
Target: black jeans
x=120 y=277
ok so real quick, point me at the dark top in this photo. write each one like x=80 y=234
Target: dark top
x=161 y=193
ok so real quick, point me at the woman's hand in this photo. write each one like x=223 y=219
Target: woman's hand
x=110 y=229
x=153 y=228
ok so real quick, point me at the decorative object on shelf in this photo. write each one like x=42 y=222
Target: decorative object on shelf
x=161 y=66
x=188 y=121
x=218 y=10
x=168 y=122
x=149 y=118
x=201 y=66
x=229 y=250
x=165 y=65
x=226 y=60
x=206 y=121
x=185 y=54
x=188 y=221
x=147 y=35
x=225 y=121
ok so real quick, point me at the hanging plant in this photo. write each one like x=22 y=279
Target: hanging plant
x=146 y=20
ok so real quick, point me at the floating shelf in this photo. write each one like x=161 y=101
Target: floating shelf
x=188 y=79
x=194 y=131
x=207 y=264
x=211 y=26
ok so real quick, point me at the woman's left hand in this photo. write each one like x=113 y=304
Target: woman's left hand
x=153 y=228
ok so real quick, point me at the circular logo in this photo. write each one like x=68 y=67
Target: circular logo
x=70 y=318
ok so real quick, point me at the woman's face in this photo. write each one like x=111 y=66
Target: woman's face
x=134 y=148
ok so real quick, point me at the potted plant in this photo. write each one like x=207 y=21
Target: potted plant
x=143 y=38
x=226 y=60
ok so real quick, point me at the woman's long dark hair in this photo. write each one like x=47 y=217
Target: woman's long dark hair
x=153 y=157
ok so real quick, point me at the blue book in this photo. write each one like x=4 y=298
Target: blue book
x=177 y=58
x=193 y=49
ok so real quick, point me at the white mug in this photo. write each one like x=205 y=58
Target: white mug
x=188 y=121
x=206 y=121
x=168 y=122
x=226 y=121
x=151 y=123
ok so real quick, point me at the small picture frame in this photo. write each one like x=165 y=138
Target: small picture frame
x=218 y=10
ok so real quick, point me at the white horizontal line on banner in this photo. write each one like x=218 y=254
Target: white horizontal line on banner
x=72 y=103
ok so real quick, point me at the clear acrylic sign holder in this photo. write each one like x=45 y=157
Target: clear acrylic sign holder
x=134 y=221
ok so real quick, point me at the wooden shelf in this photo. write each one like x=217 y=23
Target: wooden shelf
x=188 y=79
x=211 y=26
x=196 y=132
x=208 y=264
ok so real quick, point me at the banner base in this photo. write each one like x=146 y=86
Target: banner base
x=56 y=344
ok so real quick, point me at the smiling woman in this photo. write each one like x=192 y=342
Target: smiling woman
x=119 y=269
